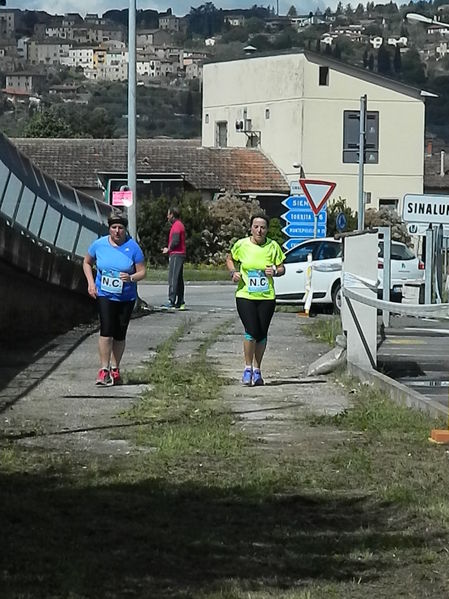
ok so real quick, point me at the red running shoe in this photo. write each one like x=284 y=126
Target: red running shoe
x=104 y=378
x=115 y=375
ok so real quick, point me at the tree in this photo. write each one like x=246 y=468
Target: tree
x=383 y=60
x=292 y=11
x=365 y=58
x=333 y=210
x=48 y=124
x=384 y=217
x=230 y=216
x=397 y=62
x=412 y=68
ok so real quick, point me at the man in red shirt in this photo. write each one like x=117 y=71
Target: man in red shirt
x=176 y=251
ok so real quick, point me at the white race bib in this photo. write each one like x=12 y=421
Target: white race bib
x=111 y=281
x=257 y=281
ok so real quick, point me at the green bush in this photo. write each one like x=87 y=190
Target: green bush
x=211 y=227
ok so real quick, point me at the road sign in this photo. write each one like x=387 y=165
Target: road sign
x=295 y=188
x=421 y=228
x=304 y=230
x=291 y=243
x=341 y=221
x=122 y=198
x=294 y=202
x=425 y=209
x=304 y=216
x=317 y=192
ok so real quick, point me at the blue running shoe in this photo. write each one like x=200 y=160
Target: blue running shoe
x=247 y=377
x=257 y=379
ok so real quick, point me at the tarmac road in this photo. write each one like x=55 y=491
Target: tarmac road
x=416 y=353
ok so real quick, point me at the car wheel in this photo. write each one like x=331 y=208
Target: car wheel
x=336 y=297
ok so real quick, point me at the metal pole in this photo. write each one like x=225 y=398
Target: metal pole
x=315 y=225
x=132 y=183
x=361 y=210
x=429 y=266
x=386 y=287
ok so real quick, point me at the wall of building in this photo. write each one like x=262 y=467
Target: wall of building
x=300 y=121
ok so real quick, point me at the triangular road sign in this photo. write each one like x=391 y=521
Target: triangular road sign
x=317 y=192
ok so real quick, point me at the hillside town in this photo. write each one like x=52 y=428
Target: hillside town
x=171 y=50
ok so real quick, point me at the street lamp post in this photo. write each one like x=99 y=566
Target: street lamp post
x=132 y=182
x=414 y=16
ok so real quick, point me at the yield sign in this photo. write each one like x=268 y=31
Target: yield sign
x=317 y=192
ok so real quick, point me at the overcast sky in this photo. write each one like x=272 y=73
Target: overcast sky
x=179 y=7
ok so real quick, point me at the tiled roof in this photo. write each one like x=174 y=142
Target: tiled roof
x=77 y=162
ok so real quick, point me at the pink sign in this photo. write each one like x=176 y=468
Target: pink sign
x=122 y=198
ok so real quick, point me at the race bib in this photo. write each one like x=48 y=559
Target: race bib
x=257 y=281
x=111 y=282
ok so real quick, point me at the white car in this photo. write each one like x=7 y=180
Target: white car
x=404 y=266
x=326 y=265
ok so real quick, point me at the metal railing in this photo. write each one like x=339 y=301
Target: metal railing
x=50 y=212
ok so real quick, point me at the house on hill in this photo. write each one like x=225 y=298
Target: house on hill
x=304 y=109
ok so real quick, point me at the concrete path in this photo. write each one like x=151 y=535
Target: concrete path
x=54 y=403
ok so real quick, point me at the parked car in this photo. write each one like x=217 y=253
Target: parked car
x=404 y=266
x=326 y=255
x=326 y=264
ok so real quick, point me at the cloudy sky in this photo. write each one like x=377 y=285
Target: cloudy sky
x=179 y=7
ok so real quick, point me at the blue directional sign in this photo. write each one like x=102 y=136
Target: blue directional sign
x=291 y=243
x=300 y=220
x=294 y=202
x=341 y=221
x=304 y=230
x=297 y=216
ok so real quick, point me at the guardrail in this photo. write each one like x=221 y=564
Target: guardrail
x=48 y=211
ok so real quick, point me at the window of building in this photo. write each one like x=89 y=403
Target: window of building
x=221 y=134
x=324 y=76
x=267 y=113
x=206 y=118
x=390 y=203
x=351 y=135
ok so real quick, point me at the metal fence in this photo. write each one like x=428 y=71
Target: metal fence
x=47 y=210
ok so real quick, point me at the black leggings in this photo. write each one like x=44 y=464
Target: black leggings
x=114 y=317
x=256 y=316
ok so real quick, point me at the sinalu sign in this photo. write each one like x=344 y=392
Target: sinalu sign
x=425 y=209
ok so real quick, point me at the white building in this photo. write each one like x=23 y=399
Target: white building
x=304 y=109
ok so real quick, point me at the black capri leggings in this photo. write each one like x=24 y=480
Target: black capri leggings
x=256 y=316
x=114 y=317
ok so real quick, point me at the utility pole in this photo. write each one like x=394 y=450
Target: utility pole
x=362 y=131
x=132 y=145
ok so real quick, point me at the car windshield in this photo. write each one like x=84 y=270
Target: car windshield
x=300 y=253
x=399 y=251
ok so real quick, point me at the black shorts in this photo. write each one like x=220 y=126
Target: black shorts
x=256 y=316
x=114 y=317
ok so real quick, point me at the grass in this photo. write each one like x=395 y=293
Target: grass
x=191 y=273
x=324 y=329
x=198 y=511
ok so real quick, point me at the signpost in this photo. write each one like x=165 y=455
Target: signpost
x=306 y=214
x=122 y=198
x=300 y=221
x=317 y=194
x=341 y=221
x=430 y=209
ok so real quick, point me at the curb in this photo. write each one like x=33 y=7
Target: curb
x=398 y=392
